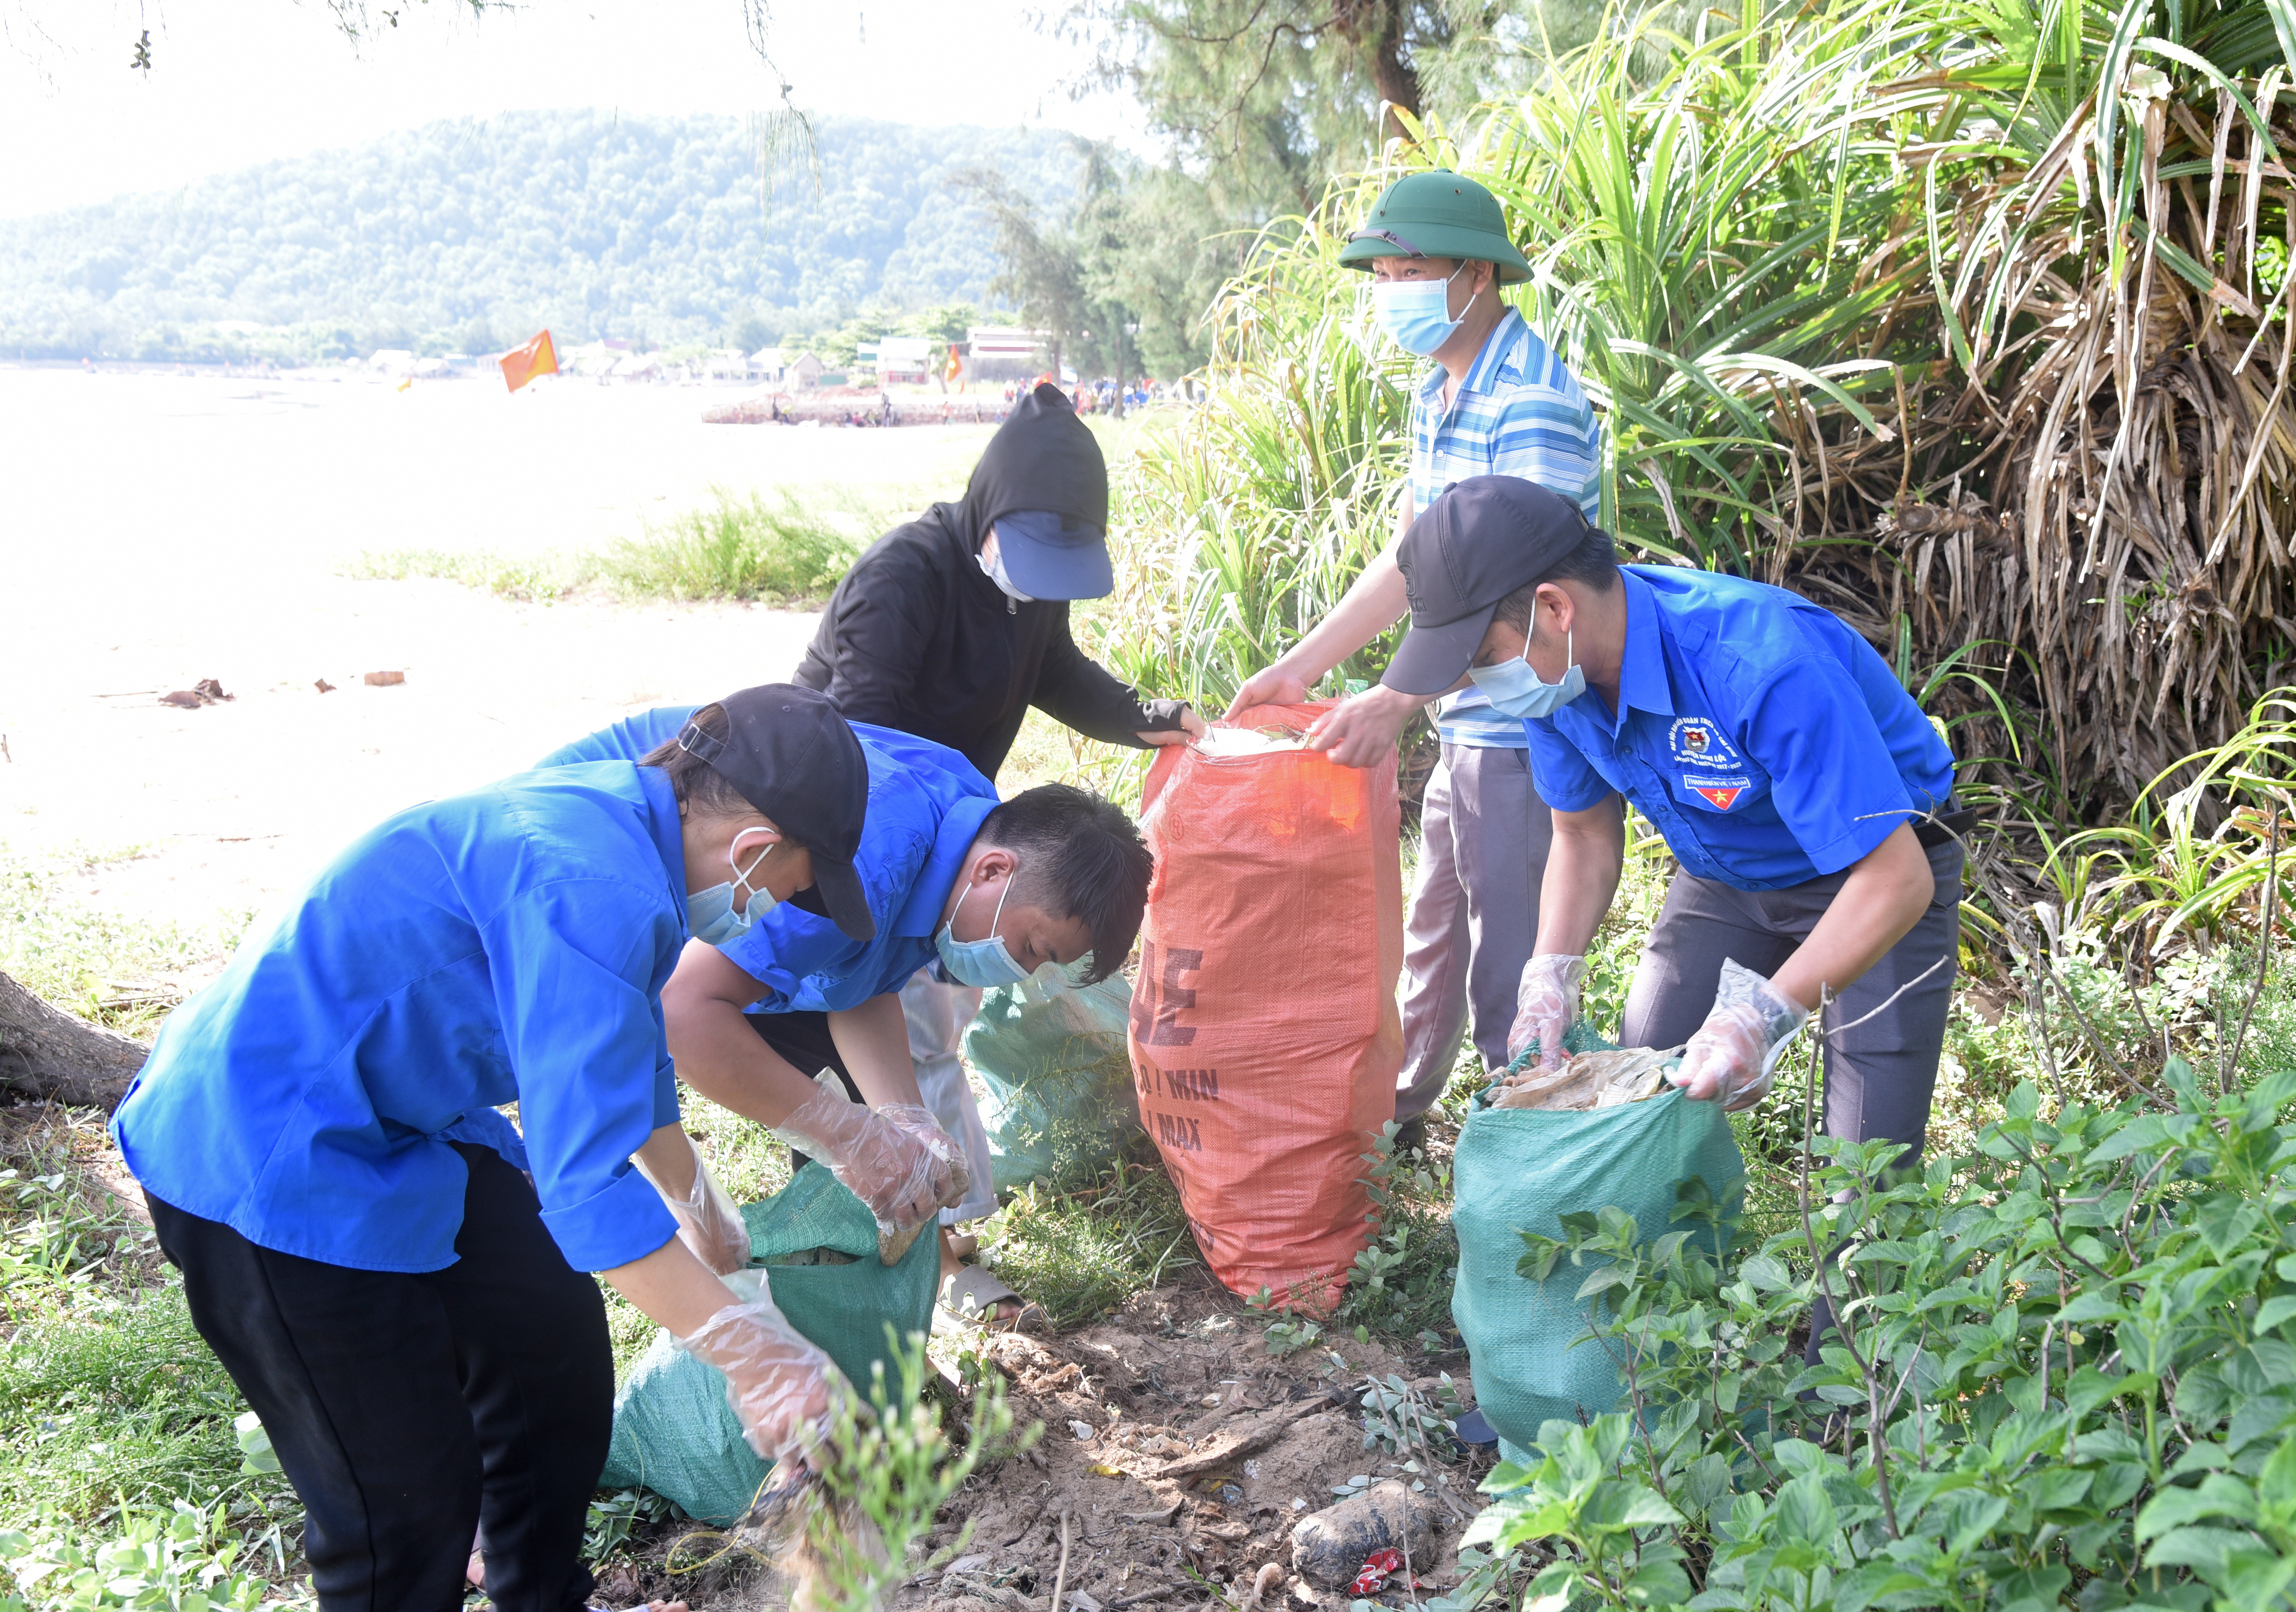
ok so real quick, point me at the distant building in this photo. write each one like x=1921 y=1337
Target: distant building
x=907 y=360
x=766 y=363
x=394 y=360
x=725 y=364
x=999 y=352
x=802 y=372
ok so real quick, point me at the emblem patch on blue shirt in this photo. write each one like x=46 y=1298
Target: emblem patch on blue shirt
x=1697 y=741
x=1720 y=793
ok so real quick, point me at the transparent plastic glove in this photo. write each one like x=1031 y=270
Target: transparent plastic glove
x=778 y=1384
x=1546 y=1006
x=1735 y=1052
x=707 y=1223
x=897 y=1159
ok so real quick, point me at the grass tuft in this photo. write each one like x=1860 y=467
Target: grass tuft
x=785 y=548
x=1084 y=1253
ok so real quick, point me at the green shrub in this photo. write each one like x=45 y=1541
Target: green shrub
x=785 y=548
x=2066 y=1373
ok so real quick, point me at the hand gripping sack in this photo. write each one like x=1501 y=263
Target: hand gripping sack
x=1521 y=1170
x=674 y=1431
x=1059 y=1100
x=1264 y=1037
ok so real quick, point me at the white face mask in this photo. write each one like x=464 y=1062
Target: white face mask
x=991 y=561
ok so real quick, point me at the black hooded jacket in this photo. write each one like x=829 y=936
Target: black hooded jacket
x=917 y=638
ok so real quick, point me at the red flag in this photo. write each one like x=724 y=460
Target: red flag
x=537 y=358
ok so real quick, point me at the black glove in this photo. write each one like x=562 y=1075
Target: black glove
x=1163 y=714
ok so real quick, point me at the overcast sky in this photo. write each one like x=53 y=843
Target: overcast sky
x=237 y=82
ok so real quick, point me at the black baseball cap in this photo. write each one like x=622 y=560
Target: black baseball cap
x=1481 y=540
x=794 y=757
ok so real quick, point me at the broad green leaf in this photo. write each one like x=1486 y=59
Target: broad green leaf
x=2218 y=1496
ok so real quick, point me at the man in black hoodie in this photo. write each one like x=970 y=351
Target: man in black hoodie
x=950 y=627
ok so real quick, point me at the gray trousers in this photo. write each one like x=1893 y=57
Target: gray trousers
x=1473 y=923
x=1879 y=1076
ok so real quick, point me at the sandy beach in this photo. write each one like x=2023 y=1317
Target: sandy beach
x=161 y=529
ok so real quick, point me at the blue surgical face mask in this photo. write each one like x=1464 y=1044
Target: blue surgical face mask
x=988 y=961
x=1416 y=313
x=710 y=913
x=1516 y=690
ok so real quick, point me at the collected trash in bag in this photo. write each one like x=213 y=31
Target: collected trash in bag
x=1264 y=1035
x=1588 y=1080
x=1522 y=1169
x=1059 y=1103
x=674 y=1431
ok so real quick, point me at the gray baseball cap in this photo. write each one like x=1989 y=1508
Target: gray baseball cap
x=1481 y=540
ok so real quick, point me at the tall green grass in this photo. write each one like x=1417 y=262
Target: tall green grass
x=787 y=547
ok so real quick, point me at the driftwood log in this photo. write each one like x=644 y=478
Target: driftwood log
x=45 y=1053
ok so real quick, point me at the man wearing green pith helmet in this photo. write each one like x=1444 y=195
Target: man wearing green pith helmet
x=1496 y=401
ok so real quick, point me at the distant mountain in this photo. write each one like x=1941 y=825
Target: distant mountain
x=473 y=236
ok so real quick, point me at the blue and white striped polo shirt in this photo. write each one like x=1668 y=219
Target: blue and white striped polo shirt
x=1518 y=412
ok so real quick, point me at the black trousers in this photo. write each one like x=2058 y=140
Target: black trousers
x=803 y=1038
x=408 y=1409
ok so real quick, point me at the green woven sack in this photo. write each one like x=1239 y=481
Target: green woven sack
x=1058 y=1073
x=1521 y=1170
x=674 y=1431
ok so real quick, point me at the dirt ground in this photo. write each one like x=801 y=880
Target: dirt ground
x=1183 y=1454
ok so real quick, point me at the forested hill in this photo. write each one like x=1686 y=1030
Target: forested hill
x=474 y=235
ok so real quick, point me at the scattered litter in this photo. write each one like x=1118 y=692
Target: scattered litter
x=1588 y=1080
x=1298 y=1504
x=206 y=690
x=1083 y=1430
x=1331 y=1547
x=967 y=1564
x=1211 y=1399
x=1251 y=1469
x=384 y=680
x=1378 y=1567
x=1103 y=1470
x=1082 y=1602
x=1269 y=1577
x=323 y=686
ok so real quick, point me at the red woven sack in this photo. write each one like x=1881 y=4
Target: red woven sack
x=1264 y=1035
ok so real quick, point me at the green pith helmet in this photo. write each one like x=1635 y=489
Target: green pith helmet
x=1437 y=214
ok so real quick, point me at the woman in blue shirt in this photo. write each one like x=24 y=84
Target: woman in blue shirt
x=391 y=1272
x=1804 y=793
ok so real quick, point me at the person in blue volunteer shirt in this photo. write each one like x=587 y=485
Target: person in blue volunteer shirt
x=992 y=890
x=1805 y=795
x=396 y=1276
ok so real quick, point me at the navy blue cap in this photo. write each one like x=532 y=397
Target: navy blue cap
x=1050 y=556
x=1481 y=540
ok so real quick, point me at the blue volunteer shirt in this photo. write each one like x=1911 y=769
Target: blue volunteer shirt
x=926 y=806
x=505 y=945
x=1769 y=742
